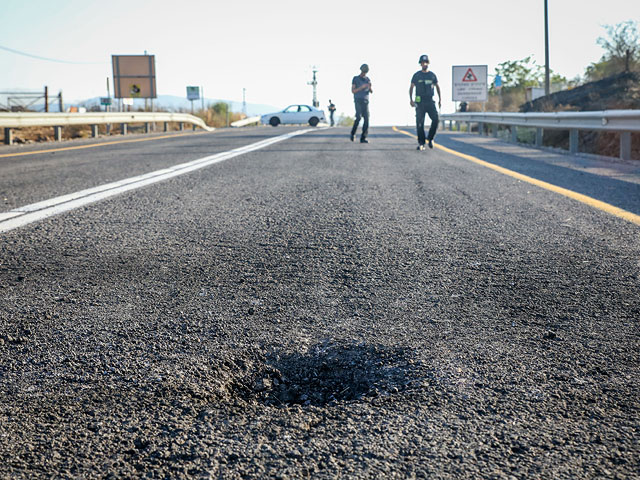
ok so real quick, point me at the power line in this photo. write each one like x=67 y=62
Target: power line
x=18 y=52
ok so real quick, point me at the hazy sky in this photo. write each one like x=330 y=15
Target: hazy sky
x=269 y=47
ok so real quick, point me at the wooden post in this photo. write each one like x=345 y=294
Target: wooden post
x=539 y=136
x=94 y=131
x=514 y=134
x=8 y=136
x=123 y=128
x=46 y=99
x=166 y=126
x=57 y=133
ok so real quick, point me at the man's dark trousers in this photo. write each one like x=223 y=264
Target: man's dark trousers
x=422 y=109
x=362 y=111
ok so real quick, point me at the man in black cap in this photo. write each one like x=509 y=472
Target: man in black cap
x=361 y=88
x=424 y=82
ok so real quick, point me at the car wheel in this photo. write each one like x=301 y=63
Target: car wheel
x=313 y=121
x=274 y=121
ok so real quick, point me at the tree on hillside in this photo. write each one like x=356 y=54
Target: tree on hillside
x=622 y=51
x=516 y=76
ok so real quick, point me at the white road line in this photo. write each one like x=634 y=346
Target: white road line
x=22 y=216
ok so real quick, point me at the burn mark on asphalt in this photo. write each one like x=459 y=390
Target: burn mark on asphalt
x=329 y=373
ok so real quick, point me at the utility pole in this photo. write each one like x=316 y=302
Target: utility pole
x=314 y=83
x=547 y=80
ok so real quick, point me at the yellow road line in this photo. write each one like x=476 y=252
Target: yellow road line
x=592 y=202
x=80 y=147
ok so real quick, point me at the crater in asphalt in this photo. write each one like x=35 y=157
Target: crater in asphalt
x=330 y=372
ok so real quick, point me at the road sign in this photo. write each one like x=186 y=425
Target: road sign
x=193 y=93
x=469 y=83
x=105 y=101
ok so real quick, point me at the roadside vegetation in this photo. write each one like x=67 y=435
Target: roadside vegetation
x=611 y=83
x=621 y=45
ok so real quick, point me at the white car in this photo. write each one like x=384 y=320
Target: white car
x=299 y=114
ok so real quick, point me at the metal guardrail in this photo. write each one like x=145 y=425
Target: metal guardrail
x=59 y=120
x=622 y=121
x=246 y=121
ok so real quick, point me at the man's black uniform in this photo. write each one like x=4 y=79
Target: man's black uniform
x=425 y=82
x=361 y=88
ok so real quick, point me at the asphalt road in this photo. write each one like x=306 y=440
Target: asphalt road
x=319 y=309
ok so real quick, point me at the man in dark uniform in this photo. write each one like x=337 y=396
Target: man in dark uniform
x=332 y=109
x=361 y=88
x=424 y=82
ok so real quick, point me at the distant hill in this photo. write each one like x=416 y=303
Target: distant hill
x=175 y=103
x=166 y=102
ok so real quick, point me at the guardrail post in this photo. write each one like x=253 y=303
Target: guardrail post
x=146 y=127
x=514 y=134
x=480 y=128
x=194 y=127
x=8 y=136
x=494 y=131
x=625 y=145
x=57 y=133
x=469 y=126
x=123 y=128
x=94 y=131
x=166 y=126
x=181 y=126
x=539 y=135
x=573 y=141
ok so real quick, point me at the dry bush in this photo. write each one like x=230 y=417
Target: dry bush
x=214 y=116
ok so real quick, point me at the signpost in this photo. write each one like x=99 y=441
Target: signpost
x=470 y=83
x=193 y=93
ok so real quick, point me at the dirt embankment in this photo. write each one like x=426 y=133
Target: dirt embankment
x=618 y=92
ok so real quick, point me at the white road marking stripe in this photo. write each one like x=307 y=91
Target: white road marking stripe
x=22 y=216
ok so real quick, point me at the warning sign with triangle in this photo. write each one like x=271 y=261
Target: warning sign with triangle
x=469 y=76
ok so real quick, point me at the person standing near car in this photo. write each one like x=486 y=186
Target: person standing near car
x=332 y=109
x=424 y=81
x=361 y=89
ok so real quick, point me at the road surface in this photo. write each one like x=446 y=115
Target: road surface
x=316 y=308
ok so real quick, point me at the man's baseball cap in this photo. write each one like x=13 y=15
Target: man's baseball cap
x=424 y=58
